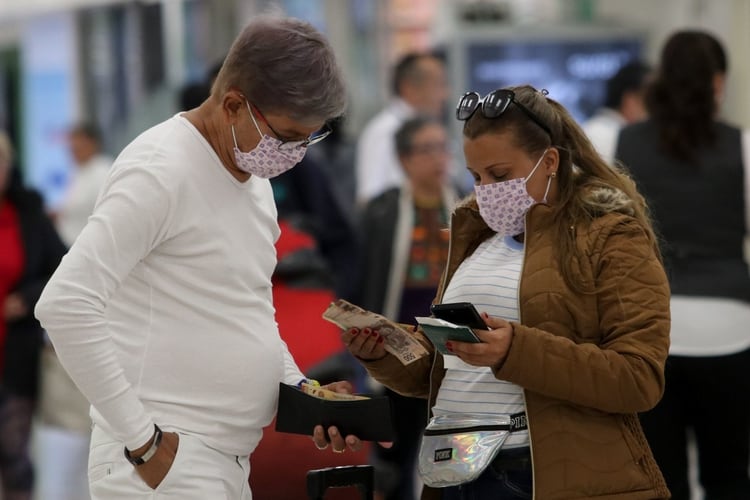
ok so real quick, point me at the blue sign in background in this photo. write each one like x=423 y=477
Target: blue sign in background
x=48 y=94
x=574 y=72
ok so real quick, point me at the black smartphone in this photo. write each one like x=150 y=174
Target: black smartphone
x=459 y=313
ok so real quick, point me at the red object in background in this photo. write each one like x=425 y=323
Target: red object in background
x=280 y=463
x=310 y=338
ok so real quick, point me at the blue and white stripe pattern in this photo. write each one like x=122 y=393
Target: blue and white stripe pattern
x=489 y=280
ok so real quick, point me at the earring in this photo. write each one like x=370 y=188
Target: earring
x=553 y=174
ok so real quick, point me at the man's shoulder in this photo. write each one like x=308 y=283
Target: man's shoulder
x=168 y=148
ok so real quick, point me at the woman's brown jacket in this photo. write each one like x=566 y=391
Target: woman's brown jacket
x=588 y=362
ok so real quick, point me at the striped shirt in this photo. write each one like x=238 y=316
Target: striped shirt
x=489 y=280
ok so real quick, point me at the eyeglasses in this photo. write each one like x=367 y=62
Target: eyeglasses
x=493 y=105
x=287 y=144
x=428 y=148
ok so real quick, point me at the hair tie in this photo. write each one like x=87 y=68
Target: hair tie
x=544 y=92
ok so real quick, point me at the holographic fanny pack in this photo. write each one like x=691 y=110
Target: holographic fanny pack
x=457 y=448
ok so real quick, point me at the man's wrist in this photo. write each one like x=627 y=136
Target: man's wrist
x=140 y=456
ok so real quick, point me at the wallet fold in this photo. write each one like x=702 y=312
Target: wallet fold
x=368 y=419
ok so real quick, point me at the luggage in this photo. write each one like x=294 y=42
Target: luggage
x=361 y=476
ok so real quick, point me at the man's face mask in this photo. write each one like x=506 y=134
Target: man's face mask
x=269 y=158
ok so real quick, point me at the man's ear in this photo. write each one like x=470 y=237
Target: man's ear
x=232 y=103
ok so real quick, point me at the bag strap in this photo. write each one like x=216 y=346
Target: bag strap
x=518 y=422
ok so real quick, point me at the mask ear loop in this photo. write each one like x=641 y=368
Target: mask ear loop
x=549 y=183
x=234 y=137
x=252 y=117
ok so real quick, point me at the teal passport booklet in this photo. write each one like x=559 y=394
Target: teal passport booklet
x=440 y=331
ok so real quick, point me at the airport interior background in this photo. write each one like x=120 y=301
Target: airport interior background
x=122 y=65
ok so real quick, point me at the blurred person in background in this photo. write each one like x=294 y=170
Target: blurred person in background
x=419 y=86
x=192 y=94
x=687 y=160
x=64 y=430
x=623 y=105
x=308 y=201
x=91 y=168
x=404 y=249
x=162 y=310
x=30 y=250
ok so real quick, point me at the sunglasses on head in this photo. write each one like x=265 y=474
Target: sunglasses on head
x=493 y=105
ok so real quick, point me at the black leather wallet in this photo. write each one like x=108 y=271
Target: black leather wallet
x=368 y=419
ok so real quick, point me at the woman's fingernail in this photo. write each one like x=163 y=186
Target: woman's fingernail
x=367 y=331
x=380 y=339
x=449 y=346
x=354 y=331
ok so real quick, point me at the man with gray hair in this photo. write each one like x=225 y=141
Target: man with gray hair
x=162 y=310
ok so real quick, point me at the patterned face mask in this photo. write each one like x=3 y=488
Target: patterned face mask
x=503 y=205
x=266 y=160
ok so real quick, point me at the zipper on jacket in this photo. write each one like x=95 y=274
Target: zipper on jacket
x=440 y=300
x=520 y=321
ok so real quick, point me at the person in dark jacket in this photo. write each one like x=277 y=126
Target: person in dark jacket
x=30 y=250
x=689 y=165
x=404 y=249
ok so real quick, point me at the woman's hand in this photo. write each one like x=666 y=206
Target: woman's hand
x=365 y=344
x=339 y=443
x=155 y=470
x=494 y=346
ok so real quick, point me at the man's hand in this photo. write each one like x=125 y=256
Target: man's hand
x=338 y=442
x=155 y=470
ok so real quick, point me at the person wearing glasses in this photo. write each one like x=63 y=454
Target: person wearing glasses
x=419 y=86
x=162 y=311
x=686 y=157
x=557 y=252
x=404 y=248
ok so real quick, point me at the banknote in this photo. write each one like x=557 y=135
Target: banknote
x=397 y=339
x=322 y=393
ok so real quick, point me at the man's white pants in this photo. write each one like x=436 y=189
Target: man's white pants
x=198 y=473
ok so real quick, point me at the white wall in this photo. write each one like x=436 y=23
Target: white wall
x=14 y=9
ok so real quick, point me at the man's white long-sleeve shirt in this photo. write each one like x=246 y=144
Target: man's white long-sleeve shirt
x=162 y=310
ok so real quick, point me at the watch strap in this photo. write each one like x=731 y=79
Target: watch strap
x=149 y=453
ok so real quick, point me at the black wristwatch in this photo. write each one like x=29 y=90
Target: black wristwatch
x=149 y=453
